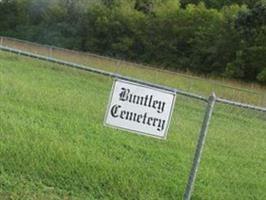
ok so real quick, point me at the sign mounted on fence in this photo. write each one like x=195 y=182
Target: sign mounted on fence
x=139 y=108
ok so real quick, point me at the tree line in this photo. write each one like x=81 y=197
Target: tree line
x=217 y=37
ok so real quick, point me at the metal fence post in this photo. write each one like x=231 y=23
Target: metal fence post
x=263 y=100
x=199 y=148
x=50 y=52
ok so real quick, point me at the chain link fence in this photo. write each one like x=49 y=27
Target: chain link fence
x=255 y=94
x=234 y=152
x=234 y=158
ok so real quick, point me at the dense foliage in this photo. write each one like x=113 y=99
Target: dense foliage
x=221 y=37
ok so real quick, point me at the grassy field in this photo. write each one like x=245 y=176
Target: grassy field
x=231 y=89
x=53 y=144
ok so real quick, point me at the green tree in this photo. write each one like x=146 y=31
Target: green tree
x=251 y=60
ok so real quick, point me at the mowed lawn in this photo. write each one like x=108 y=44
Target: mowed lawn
x=53 y=144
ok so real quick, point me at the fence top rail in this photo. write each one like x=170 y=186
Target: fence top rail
x=241 y=105
x=218 y=83
x=102 y=72
x=119 y=76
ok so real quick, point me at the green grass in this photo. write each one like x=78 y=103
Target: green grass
x=231 y=89
x=53 y=144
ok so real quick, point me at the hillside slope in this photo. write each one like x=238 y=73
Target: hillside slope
x=53 y=144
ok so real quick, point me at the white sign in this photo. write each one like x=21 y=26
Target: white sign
x=140 y=108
